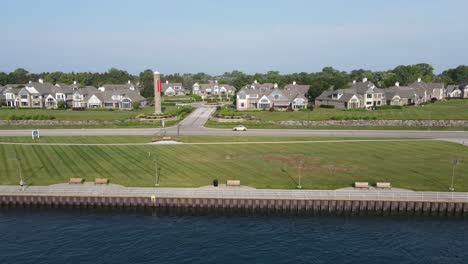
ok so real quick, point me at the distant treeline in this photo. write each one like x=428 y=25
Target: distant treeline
x=319 y=81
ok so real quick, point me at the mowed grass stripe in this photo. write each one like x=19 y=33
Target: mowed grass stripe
x=419 y=165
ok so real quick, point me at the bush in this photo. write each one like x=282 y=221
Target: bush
x=389 y=107
x=289 y=108
x=34 y=117
x=272 y=109
x=78 y=108
x=327 y=106
x=61 y=104
x=136 y=105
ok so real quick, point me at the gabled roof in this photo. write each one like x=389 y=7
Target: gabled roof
x=401 y=91
x=427 y=86
x=165 y=86
x=452 y=87
x=365 y=87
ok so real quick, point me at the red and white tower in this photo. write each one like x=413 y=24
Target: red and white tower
x=157 y=92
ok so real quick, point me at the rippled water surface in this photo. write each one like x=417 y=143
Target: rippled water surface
x=97 y=236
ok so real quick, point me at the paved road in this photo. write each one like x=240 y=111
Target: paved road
x=233 y=192
x=193 y=125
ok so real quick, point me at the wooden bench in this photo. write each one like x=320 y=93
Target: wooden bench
x=233 y=183
x=166 y=138
x=383 y=185
x=101 y=181
x=154 y=139
x=76 y=181
x=361 y=185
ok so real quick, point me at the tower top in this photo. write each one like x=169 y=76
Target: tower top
x=156 y=72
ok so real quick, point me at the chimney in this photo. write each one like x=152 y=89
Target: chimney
x=276 y=85
x=255 y=81
x=294 y=82
x=364 y=79
x=41 y=80
x=397 y=84
x=167 y=81
x=129 y=82
x=354 y=81
x=30 y=81
x=419 y=79
x=216 y=81
x=74 y=82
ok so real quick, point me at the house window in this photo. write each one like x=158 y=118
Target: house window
x=276 y=97
x=368 y=103
x=242 y=104
x=126 y=104
x=108 y=104
x=369 y=95
x=24 y=96
x=24 y=103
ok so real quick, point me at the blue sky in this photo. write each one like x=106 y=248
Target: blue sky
x=217 y=36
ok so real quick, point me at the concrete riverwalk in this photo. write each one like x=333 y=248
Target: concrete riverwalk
x=90 y=189
x=240 y=198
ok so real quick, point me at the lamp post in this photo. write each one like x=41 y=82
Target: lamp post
x=454 y=163
x=157 y=170
x=300 y=169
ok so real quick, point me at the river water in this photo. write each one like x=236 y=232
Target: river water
x=126 y=236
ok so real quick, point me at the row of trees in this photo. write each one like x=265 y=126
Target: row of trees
x=319 y=81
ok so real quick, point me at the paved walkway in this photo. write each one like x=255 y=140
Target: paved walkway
x=232 y=192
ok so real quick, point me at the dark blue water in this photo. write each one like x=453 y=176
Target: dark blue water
x=96 y=236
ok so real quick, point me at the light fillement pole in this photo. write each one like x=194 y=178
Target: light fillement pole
x=157 y=92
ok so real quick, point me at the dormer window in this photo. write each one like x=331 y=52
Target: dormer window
x=276 y=97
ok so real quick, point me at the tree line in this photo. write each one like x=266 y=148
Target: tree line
x=318 y=81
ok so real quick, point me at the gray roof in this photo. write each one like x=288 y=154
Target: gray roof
x=401 y=91
x=165 y=86
x=363 y=87
x=127 y=86
x=347 y=94
x=427 y=86
x=211 y=85
x=453 y=87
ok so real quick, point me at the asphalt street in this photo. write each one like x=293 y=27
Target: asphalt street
x=193 y=125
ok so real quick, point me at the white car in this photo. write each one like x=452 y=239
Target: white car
x=239 y=128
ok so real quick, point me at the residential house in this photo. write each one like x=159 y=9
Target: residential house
x=172 y=89
x=213 y=90
x=121 y=99
x=81 y=95
x=433 y=90
x=454 y=91
x=402 y=95
x=10 y=93
x=340 y=99
x=360 y=95
x=266 y=96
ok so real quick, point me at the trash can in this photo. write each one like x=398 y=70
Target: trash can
x=215 y=182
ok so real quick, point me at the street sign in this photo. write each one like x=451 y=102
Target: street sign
x=34 y=134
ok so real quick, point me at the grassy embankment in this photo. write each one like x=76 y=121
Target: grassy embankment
x=443 y=110
x=417 y=165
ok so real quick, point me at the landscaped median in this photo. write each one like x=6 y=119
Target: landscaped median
x=444 y=115
x=329 y=163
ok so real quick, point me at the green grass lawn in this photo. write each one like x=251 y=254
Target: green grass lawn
x=89 y=114
x=417 y=165
x=456 y=109
x=265 y=125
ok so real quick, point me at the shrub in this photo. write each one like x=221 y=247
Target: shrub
x=78 y=109
x=136 y=105
x=289 y=108
x=327 y=106
x=61 y=104
x=388 y=107
x=272 y=109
